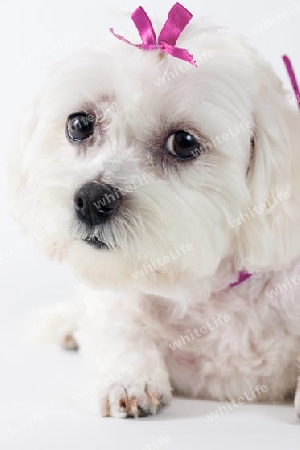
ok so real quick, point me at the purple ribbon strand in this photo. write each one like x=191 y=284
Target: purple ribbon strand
x=292 y=76
x=178 y=19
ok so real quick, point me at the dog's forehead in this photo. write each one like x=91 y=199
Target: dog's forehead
x=141 y=82
x=123 y=75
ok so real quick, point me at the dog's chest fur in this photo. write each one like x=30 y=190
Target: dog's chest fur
x=239 y=338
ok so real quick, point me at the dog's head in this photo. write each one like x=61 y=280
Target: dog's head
x=153 y=172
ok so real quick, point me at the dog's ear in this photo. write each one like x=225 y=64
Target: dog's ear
x=269 y=236
x=16 y=173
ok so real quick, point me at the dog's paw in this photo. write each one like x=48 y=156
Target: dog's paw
x=69 y=342
x=136 y=398
x=297 y=402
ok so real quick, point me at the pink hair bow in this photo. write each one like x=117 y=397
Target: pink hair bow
x=178 y=19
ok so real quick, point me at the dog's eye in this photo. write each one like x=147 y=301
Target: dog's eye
x=183 y=145
x=80 y=126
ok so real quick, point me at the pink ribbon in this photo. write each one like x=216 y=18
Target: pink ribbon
x=178 y=19
x=292 y=76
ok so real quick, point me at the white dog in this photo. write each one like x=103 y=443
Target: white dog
x=165 y=181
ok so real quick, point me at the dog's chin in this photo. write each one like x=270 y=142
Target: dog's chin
x=96 y=243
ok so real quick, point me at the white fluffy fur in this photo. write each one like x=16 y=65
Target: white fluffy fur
x=133 y=322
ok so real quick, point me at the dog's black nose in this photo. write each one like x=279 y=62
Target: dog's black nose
x=95 y=202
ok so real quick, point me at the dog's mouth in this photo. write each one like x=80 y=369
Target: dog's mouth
x=96 y=243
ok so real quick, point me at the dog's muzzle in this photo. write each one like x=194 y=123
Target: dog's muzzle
x=94 y=204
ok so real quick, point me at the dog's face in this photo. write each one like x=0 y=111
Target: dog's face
x=142 y=161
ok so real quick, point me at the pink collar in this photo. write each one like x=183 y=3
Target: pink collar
x=243 y=276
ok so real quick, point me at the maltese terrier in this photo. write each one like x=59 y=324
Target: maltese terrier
x=172 y=181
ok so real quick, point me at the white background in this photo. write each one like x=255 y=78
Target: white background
x=37 y=379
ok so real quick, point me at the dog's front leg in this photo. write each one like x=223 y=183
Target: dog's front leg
x=127 y=364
